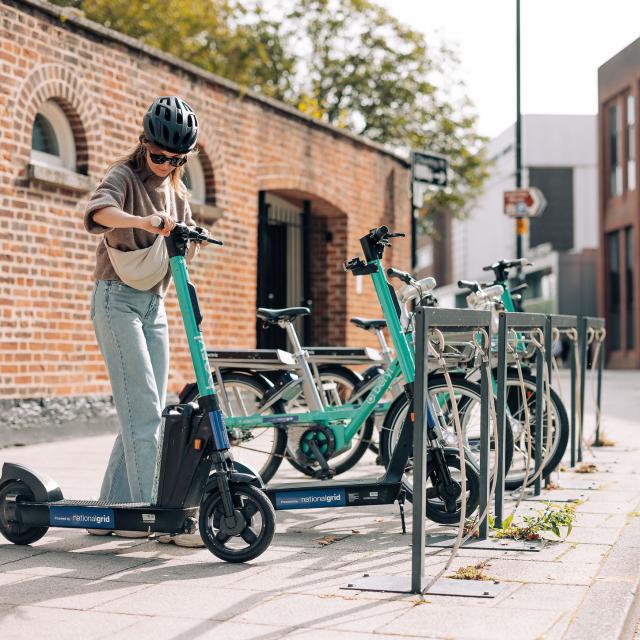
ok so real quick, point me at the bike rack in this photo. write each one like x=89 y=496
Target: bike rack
x=449 y=321
x=587 y=325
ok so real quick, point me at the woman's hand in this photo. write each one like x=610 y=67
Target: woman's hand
x=168 y=223
x=205 y=232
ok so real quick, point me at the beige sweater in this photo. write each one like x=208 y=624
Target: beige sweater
x=140 y=194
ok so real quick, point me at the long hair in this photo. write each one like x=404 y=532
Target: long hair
x=137 y=158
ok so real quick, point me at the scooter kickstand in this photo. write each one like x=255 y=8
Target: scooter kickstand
x=401 y=499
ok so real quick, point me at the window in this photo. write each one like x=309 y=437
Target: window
x=613 y=277
x=631 y=144
x=52 y=140
x=615 y=169
x=628 y=274
x=193 y=178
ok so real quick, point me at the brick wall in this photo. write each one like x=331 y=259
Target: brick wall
x=104 y=82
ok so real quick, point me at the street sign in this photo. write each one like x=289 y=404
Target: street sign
x=429 y=168
x=524 y=203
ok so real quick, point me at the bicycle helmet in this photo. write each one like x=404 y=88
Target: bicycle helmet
x=171 y=124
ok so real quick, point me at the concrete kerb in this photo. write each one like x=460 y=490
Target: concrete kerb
x=613 y=591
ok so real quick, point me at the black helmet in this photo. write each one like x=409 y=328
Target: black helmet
x=171 y=124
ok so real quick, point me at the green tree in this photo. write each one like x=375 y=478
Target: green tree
x=368 y=72
x=221 y=36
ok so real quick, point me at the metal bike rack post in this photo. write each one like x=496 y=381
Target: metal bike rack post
x=446 y=320
x=586 y=323
x=563 y=323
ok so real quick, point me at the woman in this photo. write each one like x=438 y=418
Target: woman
x=130 y=324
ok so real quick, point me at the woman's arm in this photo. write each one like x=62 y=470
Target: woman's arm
x=115 y=218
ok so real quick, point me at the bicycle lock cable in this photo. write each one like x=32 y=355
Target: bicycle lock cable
x=539 y=345
x=461 y=537
x=461 y=454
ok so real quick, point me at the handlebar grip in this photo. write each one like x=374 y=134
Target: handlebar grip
x=156 y=221
x=427 y=283
x=401 y=275
x=380 y=233
x=468 y=284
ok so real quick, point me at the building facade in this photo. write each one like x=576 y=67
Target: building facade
x=289 y=195
x=559 y=156
x=619 y=258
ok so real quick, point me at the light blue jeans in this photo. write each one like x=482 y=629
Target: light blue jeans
x=131 y=328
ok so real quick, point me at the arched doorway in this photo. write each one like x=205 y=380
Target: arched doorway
x=283 y=264
x=301 y=247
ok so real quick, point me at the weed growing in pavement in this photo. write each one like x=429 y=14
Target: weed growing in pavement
x=603 y=441
x=549 y=519
x=472 y=572
x=586 y=467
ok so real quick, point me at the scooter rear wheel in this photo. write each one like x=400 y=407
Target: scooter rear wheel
x=10 y=494
x=244 y=536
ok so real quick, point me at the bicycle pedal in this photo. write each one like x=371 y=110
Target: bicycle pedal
x=324 y=474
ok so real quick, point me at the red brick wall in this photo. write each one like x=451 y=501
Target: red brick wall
x=47 y=346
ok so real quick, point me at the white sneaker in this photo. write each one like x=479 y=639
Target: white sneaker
x=190 y=540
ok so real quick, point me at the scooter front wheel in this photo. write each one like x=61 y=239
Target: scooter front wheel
x=10 y=495
x=247 y=533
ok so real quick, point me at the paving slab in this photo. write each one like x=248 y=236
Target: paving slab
x=198 y=603
x=72 y=565
x=172 y=628
x=346 y=613
x=63 y=593
x=471 y=622
x=53 y=624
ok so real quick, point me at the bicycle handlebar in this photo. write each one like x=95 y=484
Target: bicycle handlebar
x=507 y=264
x=401 y=275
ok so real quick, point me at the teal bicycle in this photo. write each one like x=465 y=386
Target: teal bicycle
x=511 y=301
x=287 y=403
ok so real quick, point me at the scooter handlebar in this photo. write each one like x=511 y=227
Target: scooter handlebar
x=186 y=232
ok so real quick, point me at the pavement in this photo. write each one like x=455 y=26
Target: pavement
x=72 y=585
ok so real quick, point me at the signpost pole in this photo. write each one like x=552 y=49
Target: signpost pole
x=519 y=223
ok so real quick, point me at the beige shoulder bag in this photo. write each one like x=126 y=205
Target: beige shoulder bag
x=142 y=269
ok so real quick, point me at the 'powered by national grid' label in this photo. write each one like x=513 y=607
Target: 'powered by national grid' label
x=90 y=517
x=312 y=499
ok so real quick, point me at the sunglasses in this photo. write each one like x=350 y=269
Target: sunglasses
x=160 y=158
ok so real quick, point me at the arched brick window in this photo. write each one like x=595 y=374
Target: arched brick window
x=52 y=138
x=199 y=179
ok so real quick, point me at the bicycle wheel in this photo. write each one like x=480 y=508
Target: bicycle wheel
x=468 y=397
x=338 y=383
x=261 y=448
x=516 y=418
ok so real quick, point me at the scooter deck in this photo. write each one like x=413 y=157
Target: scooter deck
x=96 y=514
x=333 y=493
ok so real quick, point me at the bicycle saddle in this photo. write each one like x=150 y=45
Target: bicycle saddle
x=366 y=323
x=273 y=315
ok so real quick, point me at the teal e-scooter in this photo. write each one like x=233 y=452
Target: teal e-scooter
x=196 y=471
